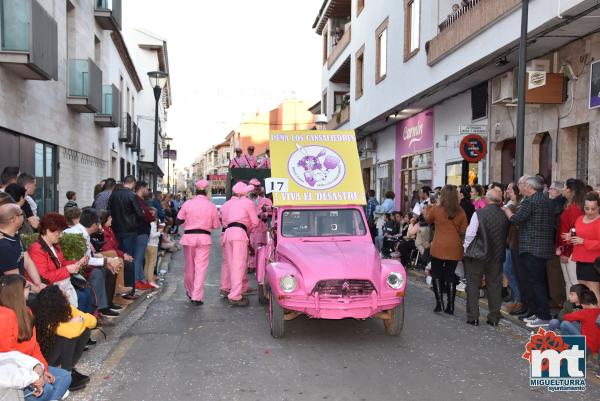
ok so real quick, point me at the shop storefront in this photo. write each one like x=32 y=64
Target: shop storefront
x=414 y=153
x=33 y=157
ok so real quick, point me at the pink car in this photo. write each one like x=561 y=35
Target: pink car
x=320 y=261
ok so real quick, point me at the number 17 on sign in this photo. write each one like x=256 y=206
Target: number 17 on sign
x=276 y=185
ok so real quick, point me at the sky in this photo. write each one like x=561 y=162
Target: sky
x=229 y=57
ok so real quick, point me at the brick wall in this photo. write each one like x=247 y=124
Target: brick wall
x=80 y=173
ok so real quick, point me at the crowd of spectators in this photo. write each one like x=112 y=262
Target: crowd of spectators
x=49 y=304
x=533 y=246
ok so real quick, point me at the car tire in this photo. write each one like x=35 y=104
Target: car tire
x=262 y=295
x=276 y=317
x=393 y=325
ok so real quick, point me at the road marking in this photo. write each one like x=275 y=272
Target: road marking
x=99 y=377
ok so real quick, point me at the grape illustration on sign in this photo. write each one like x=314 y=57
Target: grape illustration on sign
x=316 y=167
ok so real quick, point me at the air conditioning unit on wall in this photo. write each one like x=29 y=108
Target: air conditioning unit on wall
x=369 y=144
x=503 y=88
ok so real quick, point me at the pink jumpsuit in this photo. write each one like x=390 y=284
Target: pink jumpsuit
x=258 y=236
x=265 y=163
x=197 y=213
x=251 y=160
x=225 y=281
x=236 y=244
x=239 y=162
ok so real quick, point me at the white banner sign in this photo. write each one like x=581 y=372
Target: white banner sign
x=276 y=185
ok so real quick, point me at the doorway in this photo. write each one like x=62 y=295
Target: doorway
x=509 y=151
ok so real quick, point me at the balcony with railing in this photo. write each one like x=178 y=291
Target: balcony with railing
x=85 y=86
x=341 y=40
x=133 y=143
x=339 y=118
x=109 y=115
x=138 y=141
x=28 y=40
x=126 y=129
x=471 y=18
x=108 y=14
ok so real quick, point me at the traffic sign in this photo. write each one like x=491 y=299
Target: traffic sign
x=473 y=148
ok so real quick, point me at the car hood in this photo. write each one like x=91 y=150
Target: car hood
x=333 y=260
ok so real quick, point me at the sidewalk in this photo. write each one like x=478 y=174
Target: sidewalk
x=98 y=361
x=509 y=319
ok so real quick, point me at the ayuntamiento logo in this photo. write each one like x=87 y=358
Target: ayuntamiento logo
x=556 y=362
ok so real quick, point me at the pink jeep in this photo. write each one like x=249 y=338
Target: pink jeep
x=320 y=261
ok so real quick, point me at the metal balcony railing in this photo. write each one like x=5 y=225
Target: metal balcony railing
x=85 y=86
x=28 y=39
x=125 y=133
x=108 y=14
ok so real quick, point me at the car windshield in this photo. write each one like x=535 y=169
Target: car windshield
x=218 y=200
x=322 y=223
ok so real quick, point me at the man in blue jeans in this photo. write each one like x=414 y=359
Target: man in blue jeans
x=126 y=214
x=535 y=219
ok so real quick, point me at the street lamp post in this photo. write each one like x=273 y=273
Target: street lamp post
x=520 y=151
x=158 y=79
x=168 y=142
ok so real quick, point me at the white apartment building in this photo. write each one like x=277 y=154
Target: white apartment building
x=150 y=53
x=415 y=76
x=66 y=81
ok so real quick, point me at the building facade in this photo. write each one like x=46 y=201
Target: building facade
x=150 y=53
x=385 y=63
x=67 y=82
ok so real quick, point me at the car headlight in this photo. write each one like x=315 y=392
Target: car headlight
x=288 y=283
x=395 y=280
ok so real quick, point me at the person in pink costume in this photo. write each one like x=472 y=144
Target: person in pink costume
x=265 y=162
x=264 y=208
x=239 y=161
x=250 y=158
x=225 y=280
x=199 y=216
x=240 y=219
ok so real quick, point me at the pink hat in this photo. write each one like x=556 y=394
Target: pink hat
x=255 y=182
x=239 y=188
x=201 y=184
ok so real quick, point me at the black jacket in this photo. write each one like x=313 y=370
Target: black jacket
x=489 y=244
x=125 y=210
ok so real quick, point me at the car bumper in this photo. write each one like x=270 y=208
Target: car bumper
x=340 y=308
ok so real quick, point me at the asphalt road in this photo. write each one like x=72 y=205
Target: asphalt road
x=178 y=351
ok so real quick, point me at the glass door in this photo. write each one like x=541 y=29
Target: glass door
x=45 y=194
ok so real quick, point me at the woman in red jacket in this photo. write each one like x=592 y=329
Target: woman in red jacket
x=586 y=243
x=574 y=191
x=50 y=261
x=17 y=333
x=112 y=245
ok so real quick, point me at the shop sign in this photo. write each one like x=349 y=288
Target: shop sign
x=170 y=154
x=595 y=85
x=315 y=168
x=217 y=177
x=415 y=134
x=473 y=148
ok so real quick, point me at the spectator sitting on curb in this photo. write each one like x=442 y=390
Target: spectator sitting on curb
x=571 y=305
x=587 y=317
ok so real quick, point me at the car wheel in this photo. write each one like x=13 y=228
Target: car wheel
x=393 y=325
x=276 y=317
x=262 y=295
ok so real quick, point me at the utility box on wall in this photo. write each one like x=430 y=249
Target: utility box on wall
x=551 y=92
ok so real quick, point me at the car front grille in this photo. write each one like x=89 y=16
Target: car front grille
x=344 y=288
